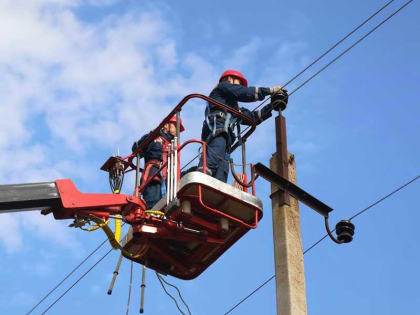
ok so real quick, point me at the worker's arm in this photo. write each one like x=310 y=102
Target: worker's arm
x=154 y=150
x=239 y=93
x=258 y=116
x=139 y=142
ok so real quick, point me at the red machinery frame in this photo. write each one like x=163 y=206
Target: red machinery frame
x=200 y=229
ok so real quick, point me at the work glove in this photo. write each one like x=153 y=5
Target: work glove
x=135 y=146
x=277 y=90
x=264 y=113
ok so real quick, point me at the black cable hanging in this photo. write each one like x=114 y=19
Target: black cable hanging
x=179 y=293
x=166 y=291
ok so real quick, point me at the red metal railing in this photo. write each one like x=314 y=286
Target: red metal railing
x=143 y=185
x=178 y=108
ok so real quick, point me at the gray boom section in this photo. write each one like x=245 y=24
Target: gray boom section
x=33 y=196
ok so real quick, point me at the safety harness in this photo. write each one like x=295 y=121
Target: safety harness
x=211 y=122
x=151 y=163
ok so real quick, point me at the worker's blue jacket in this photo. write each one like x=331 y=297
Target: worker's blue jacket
x=154 y=153
x=155 y=149
x=218 y=120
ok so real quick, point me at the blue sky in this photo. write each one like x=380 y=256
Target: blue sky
x=81 y=79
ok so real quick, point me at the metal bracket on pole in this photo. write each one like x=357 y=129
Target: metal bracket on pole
x=293 y=190
x=344 y=228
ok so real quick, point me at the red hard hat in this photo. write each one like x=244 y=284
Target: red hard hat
x=236 y=74
x=173 y=120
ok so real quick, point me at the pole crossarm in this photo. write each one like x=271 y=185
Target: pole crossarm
x=293 y=190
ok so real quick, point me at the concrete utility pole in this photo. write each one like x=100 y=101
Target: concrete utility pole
x=288 y=254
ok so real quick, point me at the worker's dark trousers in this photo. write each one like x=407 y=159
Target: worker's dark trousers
x=217 y=158
x=153 y=192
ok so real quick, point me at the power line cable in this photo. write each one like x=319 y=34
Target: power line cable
x=341 y=54
x=325 y=236
x=249 y=295
x=351 y=46
x=296 y=89
x=338 y=43
x=328 y=51
x=385 y=197
x=68 y=275
x=65 y=292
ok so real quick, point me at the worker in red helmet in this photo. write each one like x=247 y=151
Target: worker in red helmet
x=218 y=126
x=154 y=155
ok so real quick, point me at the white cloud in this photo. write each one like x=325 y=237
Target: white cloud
x=73 y=88
x=9 y=232
x=245 y=55
x=48 y=229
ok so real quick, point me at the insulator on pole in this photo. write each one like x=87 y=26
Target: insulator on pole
x=345 y=231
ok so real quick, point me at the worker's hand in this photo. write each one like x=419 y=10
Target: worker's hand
x=277 y=90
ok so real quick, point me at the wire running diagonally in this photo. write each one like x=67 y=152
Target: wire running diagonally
x=325 y=236
x=316 y=60
x=351 y=46
x=80 y=278
x=338 y=43
x=344 y=52
x=67 y=276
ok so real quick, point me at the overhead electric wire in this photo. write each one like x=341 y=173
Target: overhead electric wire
x=296 y=89
x=315 y=61
x=66 y=277
x=337 y=43
x=351 y=46
x=325 y=236
x=385 y=197
x=80 y=278
x=341 y=54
